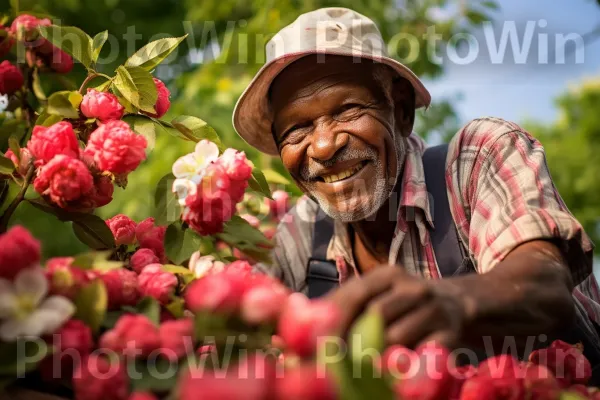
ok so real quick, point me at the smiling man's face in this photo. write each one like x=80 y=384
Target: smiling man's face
x=340 y=134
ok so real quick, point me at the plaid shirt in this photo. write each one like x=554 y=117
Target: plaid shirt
x=500 y=194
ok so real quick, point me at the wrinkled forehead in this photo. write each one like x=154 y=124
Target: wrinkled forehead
x=302 y=78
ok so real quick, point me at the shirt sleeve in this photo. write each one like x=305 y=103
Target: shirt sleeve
x=293 y=243
x=502 y=195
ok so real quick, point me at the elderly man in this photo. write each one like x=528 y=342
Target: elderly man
x=340 y=115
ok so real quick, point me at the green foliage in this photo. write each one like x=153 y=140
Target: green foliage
x=572 y=145
x=91 y=303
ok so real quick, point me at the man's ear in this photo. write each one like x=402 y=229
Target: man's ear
x=403 y=95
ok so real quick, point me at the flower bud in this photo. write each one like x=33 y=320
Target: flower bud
x=123 y=229
x=142 y=258
x=11 y=78
x=156 y=283
x=162 y=102
x=102 y=105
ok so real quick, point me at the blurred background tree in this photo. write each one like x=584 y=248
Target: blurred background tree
x=224 y=49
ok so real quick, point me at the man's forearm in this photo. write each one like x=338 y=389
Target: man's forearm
x=527 y=294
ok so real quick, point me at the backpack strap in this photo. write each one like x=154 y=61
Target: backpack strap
x=322 y=274
x=452 y=259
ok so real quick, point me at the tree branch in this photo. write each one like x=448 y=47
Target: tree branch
x=17 y=200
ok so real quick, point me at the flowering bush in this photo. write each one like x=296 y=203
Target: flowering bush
x=173 y=306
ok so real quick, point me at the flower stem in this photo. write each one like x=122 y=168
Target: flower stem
x=86 y=81
x=4 y=219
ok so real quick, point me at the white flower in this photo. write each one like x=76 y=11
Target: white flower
x=203 y=265
x=195 y=163
x=25 y=310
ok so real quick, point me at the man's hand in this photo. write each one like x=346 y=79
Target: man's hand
x=527 y=294
x=415 y=310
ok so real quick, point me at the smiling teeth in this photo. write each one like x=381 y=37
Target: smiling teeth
x=342 y=175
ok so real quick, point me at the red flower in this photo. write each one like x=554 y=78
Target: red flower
x=280 y=204
x=567 y=363
x=303 y=322
x=28 y=24
x=116 y=148
x=540 y=383
x=23 y=165
x=123 y=229
x=60 y=61
x=73 y=336
x=162 y=102
x=133 y=335
x=176 y=338
x=64 y=279
x=152 y=237
x=263 y=303
x=47 y=142
x=102 y=105
x=146 y=229
x=236 y=165
x=305 y=383
x=11 y=78
x=18 y=250
x=488 y=388
x=220 y=292
x=155 y=282
x=102 y=192
x=64 y=180
x=121 y=287
x=143 y=396
x=142 y=258
x=98 y=379
x=500 y=366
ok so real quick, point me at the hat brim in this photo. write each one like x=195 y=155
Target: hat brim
x=251 y=118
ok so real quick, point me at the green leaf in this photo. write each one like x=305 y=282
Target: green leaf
x=129 y=108
x=137 y=86
x=152 y=54
x=144 y=126
x=492 y=5
x=12 y=127
x=91 y=303
x=21 y=356
x=88 y=259
x=72 y=40
x=367 y=333
x=65 y=104
x=566 y=395
x=176 y=307
x=97 y=44
x=153 y=375
x=275 y=177
x=111 y=318
x=46 y=119
x=167 y=208
x=176 y=269
x=180 y=244
x=6 y=166
x=37 y=85
x=93 y=231
x=259 y=183
x=103 y=87
x=476 y=17
x=196 y=129
x=164 y=127
x=149 y=307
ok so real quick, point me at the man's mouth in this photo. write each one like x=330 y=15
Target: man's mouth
x=345 y=174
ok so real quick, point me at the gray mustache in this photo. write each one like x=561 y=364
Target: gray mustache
x=316 y=168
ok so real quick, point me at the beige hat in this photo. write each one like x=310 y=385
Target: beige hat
x=338 y=31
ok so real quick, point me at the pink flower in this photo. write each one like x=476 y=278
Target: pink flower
x=263 y=303
x=64 y=279
x=28 y=24
x=219 y=292
x=18 y=250
x=123 y=229
x=142 y=396
x=47 y=142
x=252 y=220
x=303 y=322
x=116 y=148
x=152 y=237
x=162 y=102
x=60 y=61
x=26 y=159
x=305 y=382
x=146 y=228
x=176 y=338
x=155 y=282
x=133 y=335
x=102 y=105
x=64 y=180
x=240 y=267
x=11 y=78
x=566 y=362
x=122 y=288
x=102 y=192
x=73 y=337
x=98 y=379
x=236 y=165
x=488 y=388
x=280 y=204
x=203 y=265
x=142 y=258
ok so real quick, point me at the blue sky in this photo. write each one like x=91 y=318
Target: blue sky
x=524 y=91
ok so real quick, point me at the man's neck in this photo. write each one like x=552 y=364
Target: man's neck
x=376 y=232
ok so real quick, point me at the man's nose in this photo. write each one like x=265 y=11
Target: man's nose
x=326 y=140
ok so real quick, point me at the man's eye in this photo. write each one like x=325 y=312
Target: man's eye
x=349 y=110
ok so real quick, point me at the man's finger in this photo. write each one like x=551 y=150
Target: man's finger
x=353 y=296
x=403 y=296
x=413 y=327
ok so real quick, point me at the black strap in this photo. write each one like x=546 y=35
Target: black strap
x=449 y=250
x=321 y=275
x=322 y=234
